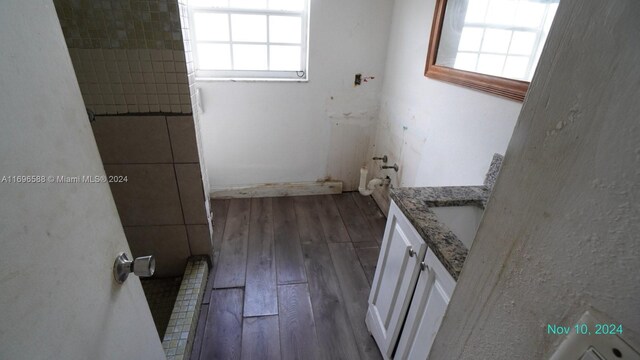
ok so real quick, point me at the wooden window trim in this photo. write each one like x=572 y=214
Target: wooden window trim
x=508 y=88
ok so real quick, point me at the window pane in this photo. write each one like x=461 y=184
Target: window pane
x=530 y=14
x=522 y=42
x=289 y=5
x=248 y=28
x=476 y=10
x=496 y=41
x=516 y=67
x=536 y=58
x=470 y=39
x=209 y=3
x=211 y=27
x=285 y=29
x=214 y=56
x=466 y=61
x=249 y=57
x=491 y=64
x=284 y=58
x=248 y=4
x=501 y=12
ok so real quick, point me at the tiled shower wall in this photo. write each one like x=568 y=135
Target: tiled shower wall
x=119 y=81
x=128 y=54
x=162 y=203
x=130 y=58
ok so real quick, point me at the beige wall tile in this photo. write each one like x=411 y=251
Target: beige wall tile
x=191 y=193
x=168 y=244
x=149 y=197
x=199 y=240
x=132 y=139
x=183 y=139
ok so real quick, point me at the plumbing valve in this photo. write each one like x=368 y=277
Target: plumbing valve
x=394 y=167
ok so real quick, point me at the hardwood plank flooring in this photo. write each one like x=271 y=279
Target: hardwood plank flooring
x=365 y=244
x=200 y=329
x=298 y=339
x=330 y=219
x=223 y=332
x=261 y=293
x=260 y=338
x=368 y=257
x=372 y=212
x=307 y=216
x=231 y=268
x=335 y=334
x=290 y=279
x=289 y=263
x=220 y=209
x=355 y=287
x=357 y=225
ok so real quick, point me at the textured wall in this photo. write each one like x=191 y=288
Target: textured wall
x=560 y=232
x=128 y=55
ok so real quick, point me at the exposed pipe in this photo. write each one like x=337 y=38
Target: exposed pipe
x=371 y=186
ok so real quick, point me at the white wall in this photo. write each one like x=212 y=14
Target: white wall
x=438 y=133
x=266 y=132
x=561 y=228
x=58 y=242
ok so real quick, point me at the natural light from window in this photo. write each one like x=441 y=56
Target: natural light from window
x=249 y=39
x=499 y=37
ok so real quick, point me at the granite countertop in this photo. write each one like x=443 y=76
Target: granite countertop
x=415 y=203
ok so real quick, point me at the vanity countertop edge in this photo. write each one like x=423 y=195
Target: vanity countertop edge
x=414 y=203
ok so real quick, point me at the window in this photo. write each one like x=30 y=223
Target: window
x=504 y=37
x=489 y=45
x=249 y=39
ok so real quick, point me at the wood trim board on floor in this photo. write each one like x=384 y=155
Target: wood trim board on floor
x=278 y=190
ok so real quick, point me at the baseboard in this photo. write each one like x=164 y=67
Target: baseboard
x=281 y=189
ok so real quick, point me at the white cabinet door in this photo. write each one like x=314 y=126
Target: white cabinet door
x=396 y=274
x=430 y=301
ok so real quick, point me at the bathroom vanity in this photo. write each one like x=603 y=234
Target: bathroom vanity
x=428 y=233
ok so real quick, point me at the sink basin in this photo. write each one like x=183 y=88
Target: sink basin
x=463 y=221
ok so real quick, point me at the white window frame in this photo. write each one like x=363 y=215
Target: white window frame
x=252 y=75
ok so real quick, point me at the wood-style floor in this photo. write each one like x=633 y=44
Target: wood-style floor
x=291 y=279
